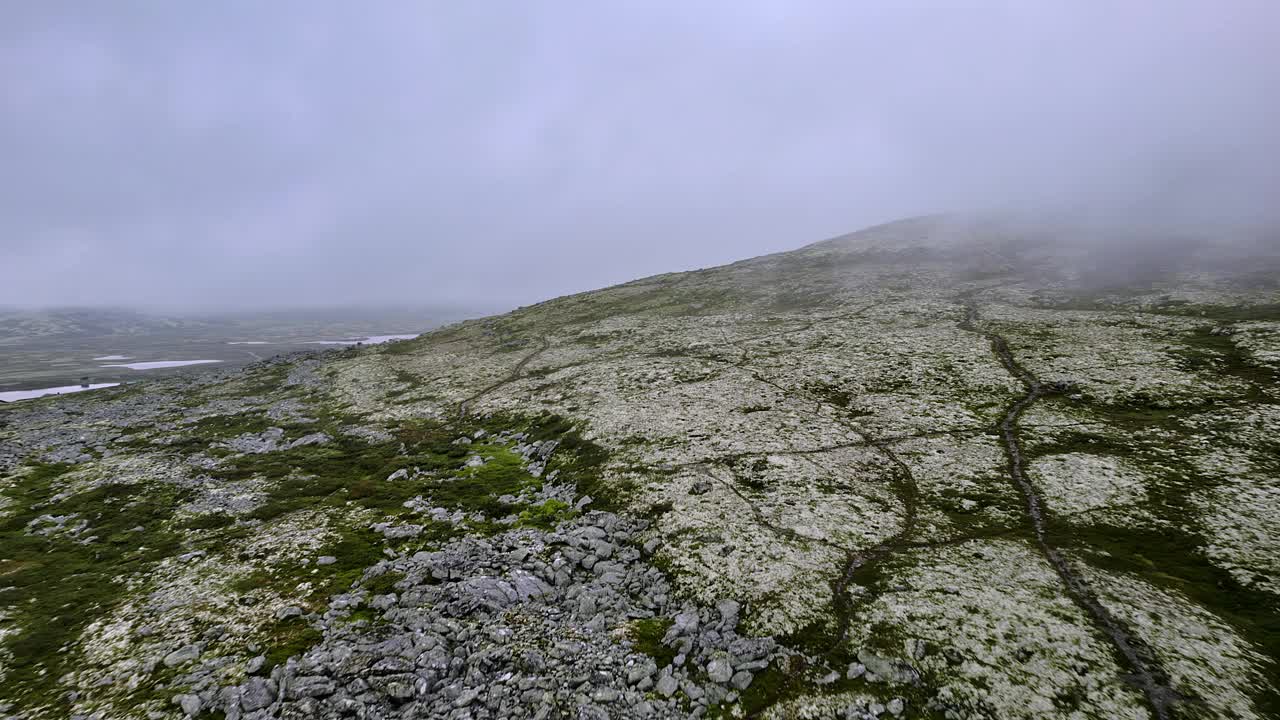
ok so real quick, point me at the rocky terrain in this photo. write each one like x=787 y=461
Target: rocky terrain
x=945 y=468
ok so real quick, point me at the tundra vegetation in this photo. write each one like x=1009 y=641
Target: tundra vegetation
x=944 y=467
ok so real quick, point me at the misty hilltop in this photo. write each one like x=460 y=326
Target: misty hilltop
x=946 y=467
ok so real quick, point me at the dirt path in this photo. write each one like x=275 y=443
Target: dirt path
x=543 y=345
x=1145 y=670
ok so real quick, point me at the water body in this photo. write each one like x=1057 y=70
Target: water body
x=248 y=342
x=114 y=357
x=371 y=340
x=14 y=395
x=160 y=364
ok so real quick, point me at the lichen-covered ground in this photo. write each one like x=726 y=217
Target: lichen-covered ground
x=937 y=468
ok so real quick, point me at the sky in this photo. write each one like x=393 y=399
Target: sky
x=246 y=154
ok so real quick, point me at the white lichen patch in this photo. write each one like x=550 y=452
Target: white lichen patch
x=188 y=601
x=1113 y=357
x=1241 y=524
x=1003 y=640
x=1077 y=483
x=827 y=705
x=1207 y=661
x=962 y=474
x=293 y=539
x=719 y=547
x=1261 y=340
x=123 y=469
x=1046 y=423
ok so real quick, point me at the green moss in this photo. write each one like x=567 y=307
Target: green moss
x=409 y=346
x=209 y=521
x=354 y=549
x=290 y=637
x=646 y=637
x=409 y=381
x=1174 y=560
x=1204 y=352
x=265 y=381
x=228 y=426
x=365 y=615
x=547 y=515
x=55 y=585
x=769 y=686
x=829 y=394
x=382 y=584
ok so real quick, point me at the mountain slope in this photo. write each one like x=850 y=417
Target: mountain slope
x=959 y=467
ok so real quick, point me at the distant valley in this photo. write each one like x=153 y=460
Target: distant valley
x=71 y=347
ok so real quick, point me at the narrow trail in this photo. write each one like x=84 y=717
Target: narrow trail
x=841 y=602
x=761 y=520
x=855 y=561
x=1145 y=670
x=543 y=345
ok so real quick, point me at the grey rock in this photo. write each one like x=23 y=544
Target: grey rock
x=896 y=706
x=916 y=648
x=741 y=679
x=639 y=672
x=466 y=698
x=184 y=654
x=729 y=610
x=397 y=532
x=719 y=671
x=685 y=623
x=312 y=686
x=326 y=560
x=883 y=669
x=490 y=590
x=528 y=585
x=189 y=703
x=667 y=685
x=391 y=666
x=288 y=611
x=396 y=687
x=312 y=439
x=605 y=695
x=257 y=693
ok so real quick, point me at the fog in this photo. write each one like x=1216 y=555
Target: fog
x=246 y=154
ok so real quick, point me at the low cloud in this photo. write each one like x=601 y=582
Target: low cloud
x=245 y=154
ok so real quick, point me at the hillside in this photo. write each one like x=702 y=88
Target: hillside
x=944 y=467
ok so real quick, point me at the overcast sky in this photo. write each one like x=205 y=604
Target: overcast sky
x=179 y=154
